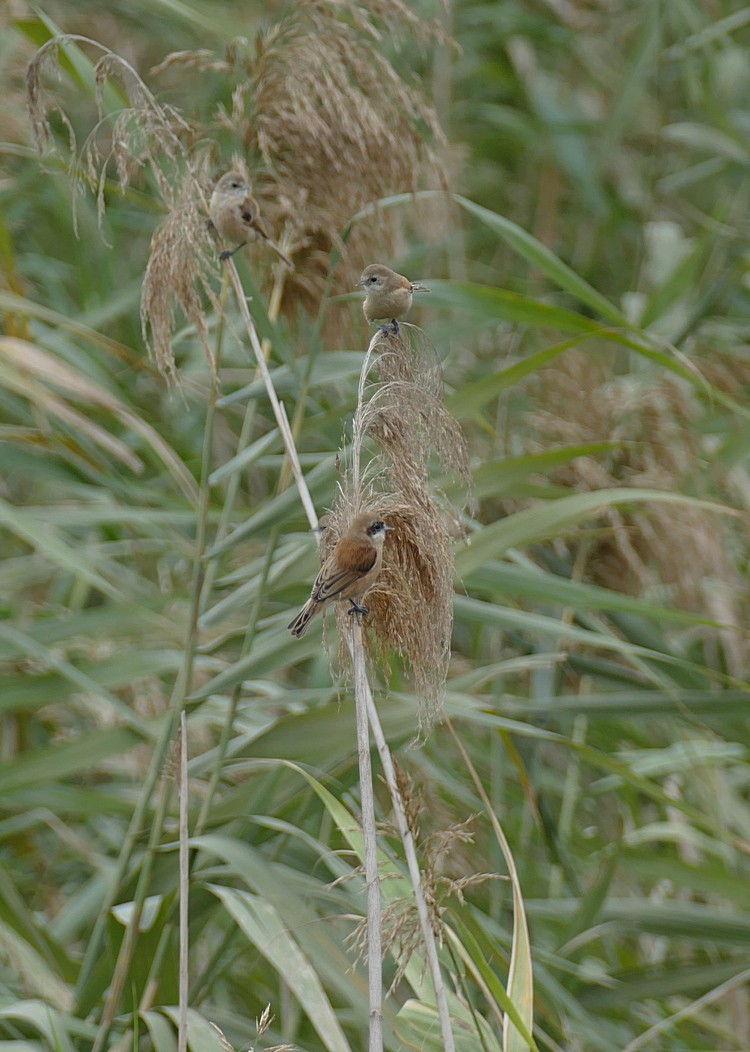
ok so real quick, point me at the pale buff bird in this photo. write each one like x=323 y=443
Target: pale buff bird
x=349 y=570
x=389 y=295
x=235 y=214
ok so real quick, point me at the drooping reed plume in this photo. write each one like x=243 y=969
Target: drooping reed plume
x=150 y=138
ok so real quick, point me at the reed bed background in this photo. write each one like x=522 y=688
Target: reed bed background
x=588 y=324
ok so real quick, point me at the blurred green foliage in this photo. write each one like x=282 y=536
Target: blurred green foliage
x=590 y=307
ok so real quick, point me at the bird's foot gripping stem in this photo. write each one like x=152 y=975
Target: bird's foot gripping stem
x=230 y=252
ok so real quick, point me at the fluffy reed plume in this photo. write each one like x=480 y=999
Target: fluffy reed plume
x=182 y=264
x=411 y=605
x=328 y=126
x=148 y=137
x=405 y=413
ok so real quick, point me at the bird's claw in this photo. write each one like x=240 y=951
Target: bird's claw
x=356 y=608
x=395 y=326
x=228 y=253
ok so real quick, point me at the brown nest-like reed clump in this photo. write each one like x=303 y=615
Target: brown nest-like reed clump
x=399 y=424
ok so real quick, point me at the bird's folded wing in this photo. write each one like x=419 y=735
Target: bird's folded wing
x=331 y=581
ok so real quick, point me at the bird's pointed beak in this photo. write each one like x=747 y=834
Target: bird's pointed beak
x=361 y=281
x=388 y=528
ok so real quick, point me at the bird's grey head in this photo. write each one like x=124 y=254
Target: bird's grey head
x=233 y=183
x=374 y=276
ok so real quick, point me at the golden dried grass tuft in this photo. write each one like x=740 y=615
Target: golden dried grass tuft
x=411 y=604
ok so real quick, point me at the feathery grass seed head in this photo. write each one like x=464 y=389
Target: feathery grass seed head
x=411 y=603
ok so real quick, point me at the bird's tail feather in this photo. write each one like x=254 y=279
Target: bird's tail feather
x=298 y=626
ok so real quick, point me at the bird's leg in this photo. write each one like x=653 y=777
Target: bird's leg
x=356 y=608
x=227 y=254
x=395 y=326
x=384 y=328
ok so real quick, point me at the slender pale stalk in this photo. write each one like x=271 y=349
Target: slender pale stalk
x=366 y=707
x=230 y=497
x=179 y=693
x=278 y=409
x=375 y=982
x=184 y=887
x=369 y=833
x=425 y=924
x=127 y=948
x=138 y=821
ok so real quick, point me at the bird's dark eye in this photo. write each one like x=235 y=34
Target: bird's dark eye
x=376 y=527
x=372 y=280
x=235 y=186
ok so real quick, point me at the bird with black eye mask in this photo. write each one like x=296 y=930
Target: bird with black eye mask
x=348 y=572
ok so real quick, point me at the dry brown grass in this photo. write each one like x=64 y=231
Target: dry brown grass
x=182 y=270
x=446 y=872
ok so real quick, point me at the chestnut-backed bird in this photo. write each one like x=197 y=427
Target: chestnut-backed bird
x=349 y=570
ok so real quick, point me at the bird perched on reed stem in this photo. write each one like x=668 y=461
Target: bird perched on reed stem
x=389 y=295
x=349 y=570
x=235 y=215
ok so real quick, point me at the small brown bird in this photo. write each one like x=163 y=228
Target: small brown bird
x=389 y=294
x=234 y=213
x=348 y=571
